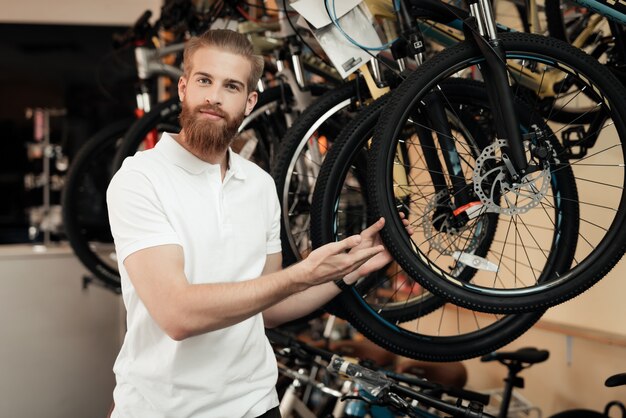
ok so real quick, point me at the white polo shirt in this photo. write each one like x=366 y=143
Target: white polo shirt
x=168 y=196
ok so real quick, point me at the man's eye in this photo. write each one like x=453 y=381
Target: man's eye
x=204 y=81
x=232 y=86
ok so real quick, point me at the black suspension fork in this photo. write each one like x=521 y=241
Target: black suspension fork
x=429 y=150
x=432 y=117
x=482 y=30
x=440 y=124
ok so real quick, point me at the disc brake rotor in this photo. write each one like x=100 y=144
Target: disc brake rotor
x=498 y=193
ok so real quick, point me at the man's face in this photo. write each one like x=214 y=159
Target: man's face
x=215 y=99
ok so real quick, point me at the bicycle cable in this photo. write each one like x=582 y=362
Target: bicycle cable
x=293 y=27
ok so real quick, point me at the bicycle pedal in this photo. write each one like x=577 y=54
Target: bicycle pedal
x=573 y=138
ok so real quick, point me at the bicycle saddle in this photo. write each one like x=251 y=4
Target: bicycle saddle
x=529 y=355
x=616 y=380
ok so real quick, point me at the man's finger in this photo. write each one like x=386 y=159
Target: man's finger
x=374 y=228
x=343 y=245
x=361 y=256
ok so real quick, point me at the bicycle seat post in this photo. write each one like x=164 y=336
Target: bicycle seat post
x=512 y=380
x=515 y=362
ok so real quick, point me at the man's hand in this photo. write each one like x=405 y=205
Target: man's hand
x=350 y=259
x=370 y=237
x=337 y=259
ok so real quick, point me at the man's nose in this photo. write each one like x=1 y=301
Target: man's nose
x=213 y=96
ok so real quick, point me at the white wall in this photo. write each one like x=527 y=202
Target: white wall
x=82 y=12
x=600 y=308
x=59 y=341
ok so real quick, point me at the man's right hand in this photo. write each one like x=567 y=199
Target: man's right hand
x=333 y=261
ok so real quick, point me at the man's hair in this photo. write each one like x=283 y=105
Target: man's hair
x=230 y=41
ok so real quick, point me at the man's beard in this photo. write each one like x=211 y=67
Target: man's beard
x=205 y=136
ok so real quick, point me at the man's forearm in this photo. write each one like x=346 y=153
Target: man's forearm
x=208 y=307
x=300 y=304
x=182 y=309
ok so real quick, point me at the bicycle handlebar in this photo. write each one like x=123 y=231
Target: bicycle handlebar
x=378 y=384
x=174 y=13
x=468 y=395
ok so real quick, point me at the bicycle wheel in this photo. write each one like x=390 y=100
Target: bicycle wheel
x=84 y=207
x=339 y=200
x=302 y=151
x=515 y=15
x=390 y=308
x=544 y=222
x=567 y=20
x=589 y=31
x=259 y=133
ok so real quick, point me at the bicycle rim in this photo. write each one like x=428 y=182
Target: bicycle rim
x=303 y=150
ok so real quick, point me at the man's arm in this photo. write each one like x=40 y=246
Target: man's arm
x=299 y=304
x=183 y=310
x=305 y=302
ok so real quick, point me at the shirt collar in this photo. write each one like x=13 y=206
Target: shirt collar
x=178 y=155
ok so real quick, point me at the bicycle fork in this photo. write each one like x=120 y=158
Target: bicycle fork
x=481 y=28
x=494 y=71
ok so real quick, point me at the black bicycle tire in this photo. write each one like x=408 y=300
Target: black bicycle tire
x=440 y=348
x=293 y=141
x=93 y=148
x=164 y=111
x=126 y=132
x=602 y=258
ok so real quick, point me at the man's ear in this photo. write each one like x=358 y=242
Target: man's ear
x=182 y=88
x=251 y=102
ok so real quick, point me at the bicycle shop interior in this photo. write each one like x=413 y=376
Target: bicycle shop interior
x=63 y=81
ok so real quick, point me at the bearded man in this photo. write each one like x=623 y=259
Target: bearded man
x=197 y=236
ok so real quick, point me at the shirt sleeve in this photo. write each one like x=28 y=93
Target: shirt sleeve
x=273 y=231
x=136 y=214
